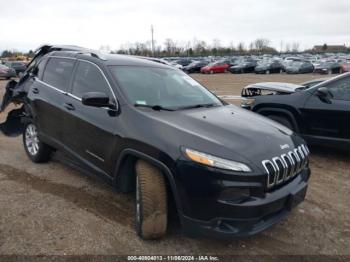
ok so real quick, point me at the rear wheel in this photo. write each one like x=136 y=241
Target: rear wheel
x=36 y=150
x=151 y=202
x=282 y=120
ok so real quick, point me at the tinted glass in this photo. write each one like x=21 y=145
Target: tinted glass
x=340 y=89
x=58 y=72
x=164 y=87
x=40 y=68
x=88 y=78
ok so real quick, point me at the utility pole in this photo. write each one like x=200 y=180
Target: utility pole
x=152 y=40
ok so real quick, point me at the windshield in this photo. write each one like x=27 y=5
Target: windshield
x=167 y=88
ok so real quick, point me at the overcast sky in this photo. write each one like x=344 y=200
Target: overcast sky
x=27 y=24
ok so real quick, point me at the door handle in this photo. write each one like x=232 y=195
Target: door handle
x=35 y=90
x=69 y=106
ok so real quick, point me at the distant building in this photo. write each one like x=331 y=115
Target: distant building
x=329 y=48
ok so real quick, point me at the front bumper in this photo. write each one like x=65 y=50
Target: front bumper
x=229 y=219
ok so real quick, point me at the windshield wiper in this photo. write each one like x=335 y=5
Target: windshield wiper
x=155 y=107
x=199 y=106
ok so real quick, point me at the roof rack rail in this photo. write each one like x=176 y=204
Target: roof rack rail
x=93 y=53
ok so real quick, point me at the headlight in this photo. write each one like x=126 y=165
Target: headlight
x=248 y=102
x=214 y=161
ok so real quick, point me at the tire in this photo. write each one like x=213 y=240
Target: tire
x=151 y=202
x=36 y=150
x=282 y=120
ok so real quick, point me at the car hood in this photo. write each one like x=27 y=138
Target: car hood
x=275 y=86
x=227 y=131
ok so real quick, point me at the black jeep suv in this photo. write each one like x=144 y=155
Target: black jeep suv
x=320 y=113
x=150 y=128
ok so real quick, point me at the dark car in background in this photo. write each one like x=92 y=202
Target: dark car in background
x=6 y=72
x=194 y=67
x=320 y=113
x=328 y=67
x=183 y=62
x=246 y=66
x=18 y=66
x=152 y=130
x=269 y=67
x=299 y=68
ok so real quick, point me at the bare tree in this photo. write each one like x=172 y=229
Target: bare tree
x=170 y=46
x=261 y=44
x=241 y=47
x=295 y=47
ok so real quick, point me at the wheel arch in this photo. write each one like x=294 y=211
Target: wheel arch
x=289 y=112
x=125 y=173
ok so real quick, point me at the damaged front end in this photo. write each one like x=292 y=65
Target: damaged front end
x=250 y=92
x=16 y=118
x=270 y=88
x=16 y=92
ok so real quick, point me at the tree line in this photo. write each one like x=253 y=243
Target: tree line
x=189 y=48
x=201 y=48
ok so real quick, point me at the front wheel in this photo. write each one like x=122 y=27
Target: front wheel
x=36 y=150
x=151 y=202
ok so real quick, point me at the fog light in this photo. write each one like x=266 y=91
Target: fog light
x=234 y=194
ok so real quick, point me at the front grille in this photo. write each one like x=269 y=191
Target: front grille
x=286 y=166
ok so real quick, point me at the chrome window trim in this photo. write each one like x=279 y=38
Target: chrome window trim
x=48 y=85
x=74 y=96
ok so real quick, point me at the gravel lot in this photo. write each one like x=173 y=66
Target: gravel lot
x=54 y=209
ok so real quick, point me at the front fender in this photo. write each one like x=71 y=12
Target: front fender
x=289 y=112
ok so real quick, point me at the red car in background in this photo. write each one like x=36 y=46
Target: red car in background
x=345 y=68
x=215 y=67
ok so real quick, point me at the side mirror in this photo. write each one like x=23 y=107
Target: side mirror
x=324 y=94
x=97 y=99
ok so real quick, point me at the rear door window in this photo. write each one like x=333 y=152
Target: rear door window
x=58 y=72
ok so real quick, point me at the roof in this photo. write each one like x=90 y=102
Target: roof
x=108 y=59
